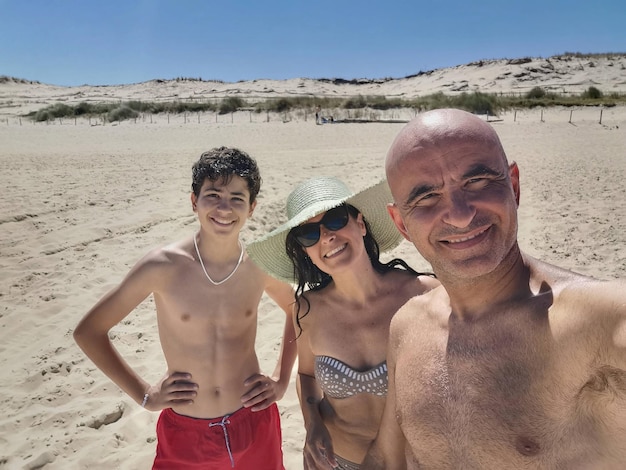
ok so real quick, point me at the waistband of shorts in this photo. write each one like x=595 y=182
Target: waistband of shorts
x=241 y=415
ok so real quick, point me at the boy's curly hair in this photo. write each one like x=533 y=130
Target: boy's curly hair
x=222 y=163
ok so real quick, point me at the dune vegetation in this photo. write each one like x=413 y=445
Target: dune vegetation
x=480 y=103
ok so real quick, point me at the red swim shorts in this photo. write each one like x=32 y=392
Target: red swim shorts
x=246 y=440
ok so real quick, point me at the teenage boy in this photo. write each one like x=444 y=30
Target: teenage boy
x=217 y=409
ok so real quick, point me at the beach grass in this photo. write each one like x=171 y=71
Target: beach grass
x=475 y=102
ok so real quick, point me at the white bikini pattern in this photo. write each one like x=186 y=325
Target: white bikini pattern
x=339 y=380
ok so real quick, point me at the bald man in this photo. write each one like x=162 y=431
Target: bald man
x=517 y=364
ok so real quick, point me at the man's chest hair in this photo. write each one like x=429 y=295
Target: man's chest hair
x=508 y=388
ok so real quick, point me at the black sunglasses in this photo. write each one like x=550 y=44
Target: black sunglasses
x=308 y=235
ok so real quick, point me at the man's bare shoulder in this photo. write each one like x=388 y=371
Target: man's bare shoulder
x=605 y=292
x=428 y=283
x=592 y=303
x=574 y=288
x=591 y=310
x=430 y=308
x=543 y=274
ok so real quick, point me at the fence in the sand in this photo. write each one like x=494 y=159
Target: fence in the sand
x=600 y=115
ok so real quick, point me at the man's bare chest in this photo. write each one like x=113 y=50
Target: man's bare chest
x=504 y=397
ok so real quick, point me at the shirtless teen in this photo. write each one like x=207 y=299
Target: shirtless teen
x=218 y=409
x=517 y=363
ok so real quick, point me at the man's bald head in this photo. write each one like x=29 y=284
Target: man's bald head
x=437 y=129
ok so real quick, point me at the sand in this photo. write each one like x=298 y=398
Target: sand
x=81 y=203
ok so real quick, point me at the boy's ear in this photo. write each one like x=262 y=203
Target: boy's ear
x=252 y=206
x=194 y=202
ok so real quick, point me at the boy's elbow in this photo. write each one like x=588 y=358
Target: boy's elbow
x=82 y=335
x=79 y=336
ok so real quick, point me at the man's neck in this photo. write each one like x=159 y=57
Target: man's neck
x=475 y=297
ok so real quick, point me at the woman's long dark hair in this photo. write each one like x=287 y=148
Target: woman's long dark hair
x=310 y=277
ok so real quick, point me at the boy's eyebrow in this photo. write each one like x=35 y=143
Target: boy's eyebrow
x=221 y=190
x=212 y=188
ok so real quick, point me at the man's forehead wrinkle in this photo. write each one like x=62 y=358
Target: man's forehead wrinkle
x=434 y=133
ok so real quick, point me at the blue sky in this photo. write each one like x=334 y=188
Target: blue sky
x=106 y=42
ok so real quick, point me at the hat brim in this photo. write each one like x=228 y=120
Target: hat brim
x=269 y=251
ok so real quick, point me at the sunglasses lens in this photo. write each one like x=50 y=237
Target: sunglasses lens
x=308 y=235
x=335 y=219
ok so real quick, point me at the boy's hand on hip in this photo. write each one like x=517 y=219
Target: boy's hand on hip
x=262 y=393
x=173 y=389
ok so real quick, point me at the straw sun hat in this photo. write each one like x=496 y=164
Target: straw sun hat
x=312 y=197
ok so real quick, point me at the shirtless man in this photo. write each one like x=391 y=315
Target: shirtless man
x=219 y=410
x=520 y=364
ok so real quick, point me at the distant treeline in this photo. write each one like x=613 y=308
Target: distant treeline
x=479 y=103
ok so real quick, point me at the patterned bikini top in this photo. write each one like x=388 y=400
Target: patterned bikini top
x=338 y=380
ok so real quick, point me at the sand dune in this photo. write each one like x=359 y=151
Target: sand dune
x=560 y=74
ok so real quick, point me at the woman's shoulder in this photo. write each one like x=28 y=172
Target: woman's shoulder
x=420 y=283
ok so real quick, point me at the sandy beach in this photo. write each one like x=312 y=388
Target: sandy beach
x=81 y=203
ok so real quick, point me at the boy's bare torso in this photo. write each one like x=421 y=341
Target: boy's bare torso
x=206 y=330
x=534 y=386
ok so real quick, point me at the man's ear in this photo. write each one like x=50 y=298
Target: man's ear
x=394 y=213
x=194 y=202
x=514 y=174
x=252 y=206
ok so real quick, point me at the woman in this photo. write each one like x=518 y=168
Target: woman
x=345 y=299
